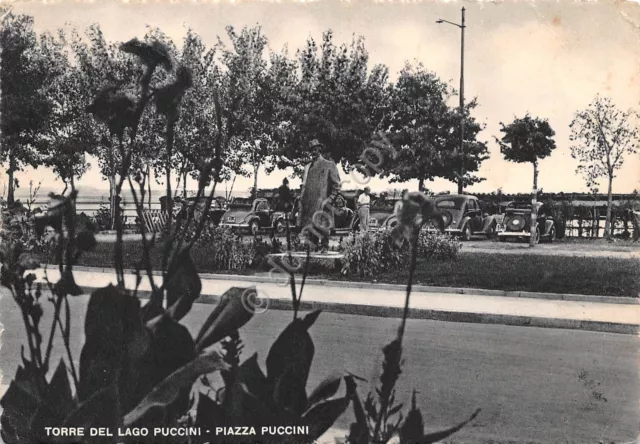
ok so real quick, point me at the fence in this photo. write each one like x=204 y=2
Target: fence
x=594 y=228
x=154 y=220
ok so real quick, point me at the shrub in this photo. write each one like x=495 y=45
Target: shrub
x=368 y=254
x=437 y=246
x=227 y=250
x=261 y=249
x=103 y=217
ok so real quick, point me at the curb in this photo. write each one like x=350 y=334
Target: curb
x=400 y=287
x=433 y=315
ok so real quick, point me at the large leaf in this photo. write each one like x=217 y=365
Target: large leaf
x=57 y=405
x=289 y=363
x=18 y=405
x=209 y=413
x=183 y=286
x=111 y=317
x=359 y=430
x=250 y=374
x=168 y=390
x=100 y=410
x=323 y=415
x=413 y=428
x=231 y=313
x=172 y=346
x=242 y=407
x=326 y=389
x=439 y=436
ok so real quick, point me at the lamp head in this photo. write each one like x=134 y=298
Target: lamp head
x=439 y=21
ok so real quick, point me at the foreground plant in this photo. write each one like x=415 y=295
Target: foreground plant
x=379 y=420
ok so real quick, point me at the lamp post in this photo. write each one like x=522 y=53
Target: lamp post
x=461 y=26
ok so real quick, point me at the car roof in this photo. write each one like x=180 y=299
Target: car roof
x=456 y=197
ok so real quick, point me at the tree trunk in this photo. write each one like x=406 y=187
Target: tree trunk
x=12 y=184
x=421 y=185
x=170 y=128
x=112 y=200
x=534 y=209
x=184 y=183
x=607 y=226
x=149 y=186
x=256 y=167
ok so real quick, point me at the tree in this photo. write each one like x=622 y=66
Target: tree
x=426 y=131
x=601 y=136
x=24 y=104
x=527 y=140
x=245 y=80
x=102 y=63
x=338 y=100
x=70 y=133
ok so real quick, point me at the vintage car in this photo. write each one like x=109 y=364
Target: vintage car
x=246 y=215
x=463 y=217
x=215 y=213
x=381 y=215
x=517 y=223
x=343 y=216
x=280 y=217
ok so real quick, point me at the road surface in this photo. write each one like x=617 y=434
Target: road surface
x=533 y=385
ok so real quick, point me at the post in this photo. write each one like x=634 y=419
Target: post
x=461 y=178
x=534 y=204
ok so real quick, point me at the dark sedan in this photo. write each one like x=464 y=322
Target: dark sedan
x=517 y=223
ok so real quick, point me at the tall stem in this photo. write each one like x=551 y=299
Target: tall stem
x=412 y=271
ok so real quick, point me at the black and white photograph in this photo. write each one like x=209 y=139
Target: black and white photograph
x=320 y=222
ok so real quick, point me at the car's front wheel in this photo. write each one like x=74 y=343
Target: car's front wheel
x=254 y=227
x=280 y=226
x=466 y=233
x=552 y=234
x=537 y=239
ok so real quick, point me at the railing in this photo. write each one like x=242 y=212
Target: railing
x=154 y=220
x=594 y=228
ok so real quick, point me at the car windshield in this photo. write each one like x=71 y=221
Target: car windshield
x=454 y=204
x=382 y=203
x=241 y=201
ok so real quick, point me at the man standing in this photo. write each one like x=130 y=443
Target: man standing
x=364 y=202
x=320 y=186
x=285 y=197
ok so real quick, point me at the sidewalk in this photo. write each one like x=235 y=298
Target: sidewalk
x=442 y=306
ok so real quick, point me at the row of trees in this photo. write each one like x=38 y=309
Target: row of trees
x=270 y=105
x=601 y=136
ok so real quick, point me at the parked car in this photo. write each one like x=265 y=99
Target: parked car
x=517 y=223
x=463 y=217
x=246 y=215
x=216 y=210
x=343 y=216
x=500 y=210
x=280 y=218
x=381 y=215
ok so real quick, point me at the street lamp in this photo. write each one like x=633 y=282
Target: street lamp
x=461 y=26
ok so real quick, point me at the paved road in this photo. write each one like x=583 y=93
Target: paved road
x=527 y=381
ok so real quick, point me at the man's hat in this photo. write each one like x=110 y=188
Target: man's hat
x=314 y=144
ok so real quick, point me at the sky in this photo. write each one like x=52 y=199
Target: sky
x=548 y=58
